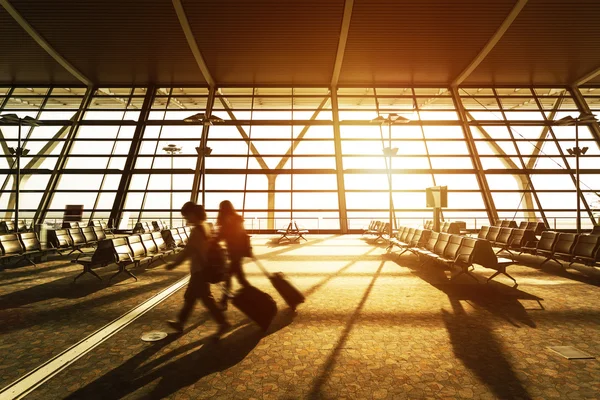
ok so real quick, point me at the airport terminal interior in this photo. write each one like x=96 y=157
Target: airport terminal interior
x=425 y=173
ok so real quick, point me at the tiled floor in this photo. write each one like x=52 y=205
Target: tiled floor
x=374 y=326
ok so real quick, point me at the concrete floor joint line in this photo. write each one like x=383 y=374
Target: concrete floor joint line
x=35 y=378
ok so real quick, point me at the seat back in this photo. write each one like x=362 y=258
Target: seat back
x=483 y=231
x=23 y=226
x=503 y=237
x=136 y=246
x=586 y=246
x=484 y=255
x=188 y=230
x=139 y=228
x=565 y=243
x=148 y=243
x=147 y=227
x=183 y=234
x=159 y=241
x=414 y=241
x=69 y=225
x=158 y=226
x=444 y=227
x=433 y=238
x=105 y=252
x=547 y=241
x=7 y=226
x=539 y=228
x=520 y=237
x=452 y=247
x=523 y=225
x=401 y=234
x=409 y=235
x=493 y=234
x=89 y=235
x=466 y=251
x=11 y=244
x=99 y=232
x=76 y=236
x=176 y=238
x=30 y=241
x=59 y=238
x=122 y=250
x=425 y=235
x=441 y=243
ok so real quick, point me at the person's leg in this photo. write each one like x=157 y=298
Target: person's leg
x=236 y=269
x=208 y=300
x=189 y=300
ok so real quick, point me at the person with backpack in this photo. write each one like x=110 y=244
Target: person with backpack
x=201 y=270
x=231 y=229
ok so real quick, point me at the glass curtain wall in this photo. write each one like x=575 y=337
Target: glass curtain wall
x=274 y=157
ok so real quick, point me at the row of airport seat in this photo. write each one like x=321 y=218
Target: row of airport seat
x=570 y=247
x=74 y=239
x=22 y=246
x=26 y=246
x=507 y=239
x=450 y=250
x=9 y=226
x=133 y=250
x=378 y=229
x=446 y=226
x=535 y=226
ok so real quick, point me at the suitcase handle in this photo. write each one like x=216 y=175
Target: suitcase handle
x=262 y=267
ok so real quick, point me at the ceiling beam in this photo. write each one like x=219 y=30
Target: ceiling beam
x=189 y=35
x=43 y=43
x=586 y=78
x=491 y=43
x=339 y=56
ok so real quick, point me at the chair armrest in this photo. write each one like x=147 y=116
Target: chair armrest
x=128 y=255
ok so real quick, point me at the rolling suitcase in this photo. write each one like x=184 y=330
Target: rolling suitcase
x=292 y=296
x=256 y=304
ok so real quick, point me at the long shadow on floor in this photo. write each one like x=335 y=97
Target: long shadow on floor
x=204 y=357
x=321 y=380
x=63 y=288
x=472 y=338
x=476 y=346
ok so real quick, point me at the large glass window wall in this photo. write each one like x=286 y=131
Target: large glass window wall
x=274 y=154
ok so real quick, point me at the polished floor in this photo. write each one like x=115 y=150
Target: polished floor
x=374 y=326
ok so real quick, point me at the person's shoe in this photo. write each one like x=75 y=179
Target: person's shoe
x=176 y=325
x=223 y=328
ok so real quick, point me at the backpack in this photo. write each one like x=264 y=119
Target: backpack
x=215 y=269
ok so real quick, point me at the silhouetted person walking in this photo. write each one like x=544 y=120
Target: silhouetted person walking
x=231 y=229
x=198 y=287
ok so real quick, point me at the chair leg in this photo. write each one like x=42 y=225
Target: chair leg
x=91 y=271
x=128 y=272
x=87 y=269
x=466 y=272
x=29 y=260
x=505 y=273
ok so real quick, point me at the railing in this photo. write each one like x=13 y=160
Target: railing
x=318 y=224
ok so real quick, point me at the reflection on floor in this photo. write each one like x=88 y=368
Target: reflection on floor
x=374 y=325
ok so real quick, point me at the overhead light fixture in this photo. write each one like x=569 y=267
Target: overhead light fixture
x=18 y=152
x=585 y=118
x=389 y=152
